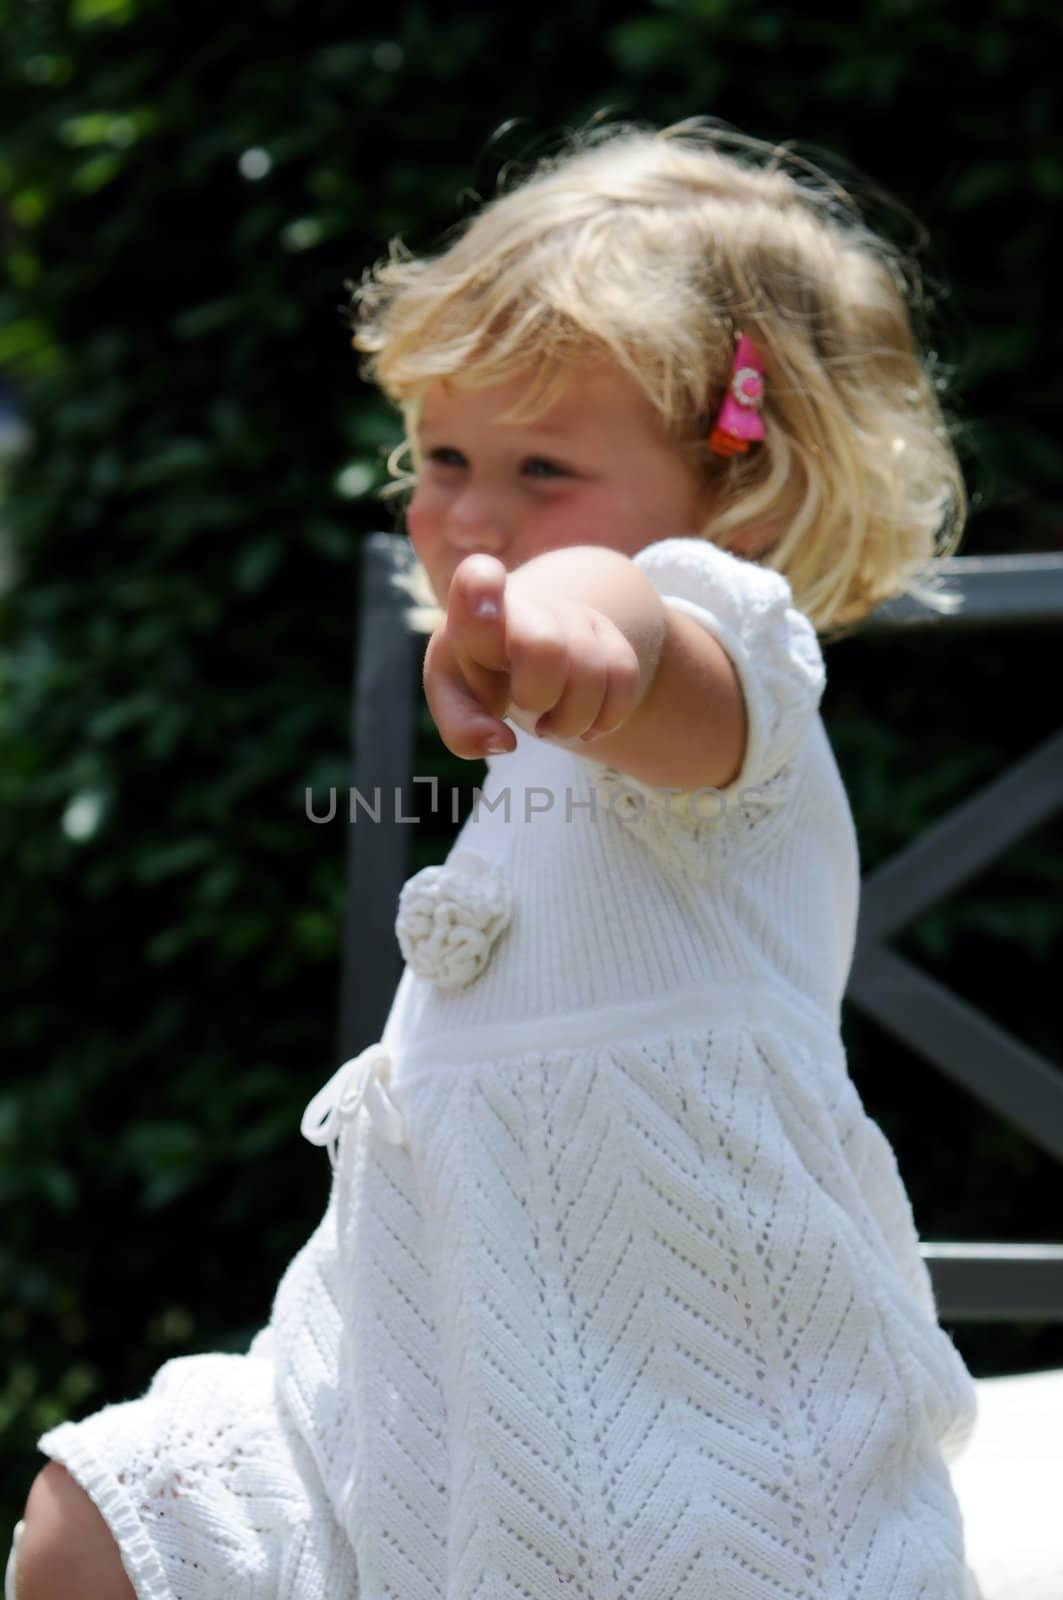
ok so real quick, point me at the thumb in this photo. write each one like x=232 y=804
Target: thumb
x=460 y=696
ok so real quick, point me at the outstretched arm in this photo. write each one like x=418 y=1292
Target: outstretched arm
x=578 y=642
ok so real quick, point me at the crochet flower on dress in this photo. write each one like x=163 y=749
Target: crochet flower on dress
x=450 y=918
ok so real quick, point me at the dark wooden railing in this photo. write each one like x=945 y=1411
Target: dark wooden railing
x=972 y=1282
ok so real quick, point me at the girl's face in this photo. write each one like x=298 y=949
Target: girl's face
x=593 y=469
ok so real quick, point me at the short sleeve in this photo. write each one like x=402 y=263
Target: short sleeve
x=773 y=646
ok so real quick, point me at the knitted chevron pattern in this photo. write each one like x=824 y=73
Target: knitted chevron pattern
x=674 y=1353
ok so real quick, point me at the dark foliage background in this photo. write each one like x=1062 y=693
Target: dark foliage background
x=183 y=190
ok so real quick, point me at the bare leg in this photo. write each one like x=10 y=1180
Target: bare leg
x=67 y=1550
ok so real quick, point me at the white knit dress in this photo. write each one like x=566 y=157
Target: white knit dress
x=618 y=1293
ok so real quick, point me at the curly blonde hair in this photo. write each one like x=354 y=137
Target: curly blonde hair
x=655 y=247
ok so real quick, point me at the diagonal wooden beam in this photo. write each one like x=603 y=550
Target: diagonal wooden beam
x=954 y=849
x=966 y=1046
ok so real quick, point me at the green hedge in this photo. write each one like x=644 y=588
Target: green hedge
x=183 y=191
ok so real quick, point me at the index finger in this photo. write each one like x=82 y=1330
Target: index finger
x=476 y=612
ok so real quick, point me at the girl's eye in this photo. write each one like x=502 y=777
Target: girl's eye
x=540 y=467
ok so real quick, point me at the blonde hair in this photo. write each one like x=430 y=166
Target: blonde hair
x=655 y=248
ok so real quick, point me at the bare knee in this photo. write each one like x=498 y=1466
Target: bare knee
x=67 y=1549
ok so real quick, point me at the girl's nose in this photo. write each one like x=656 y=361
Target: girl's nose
x=479 y=522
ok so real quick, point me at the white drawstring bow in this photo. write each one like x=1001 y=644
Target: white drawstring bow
x=359 y=1081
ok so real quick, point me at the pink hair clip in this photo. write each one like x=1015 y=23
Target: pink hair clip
x=739 y=422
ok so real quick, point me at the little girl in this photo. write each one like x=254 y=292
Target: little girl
x=618 y=1293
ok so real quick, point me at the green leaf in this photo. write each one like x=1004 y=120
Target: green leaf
x=97 y=172
x=117 y=13
x=177 y=458
x=645 y=43
x=200 y=321
x=982 y=181
x=257 y=564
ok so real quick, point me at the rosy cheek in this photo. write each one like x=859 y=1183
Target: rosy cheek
x=422 y=518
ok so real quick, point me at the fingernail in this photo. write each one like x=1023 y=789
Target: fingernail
x=486 y=607
x=497 y=747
